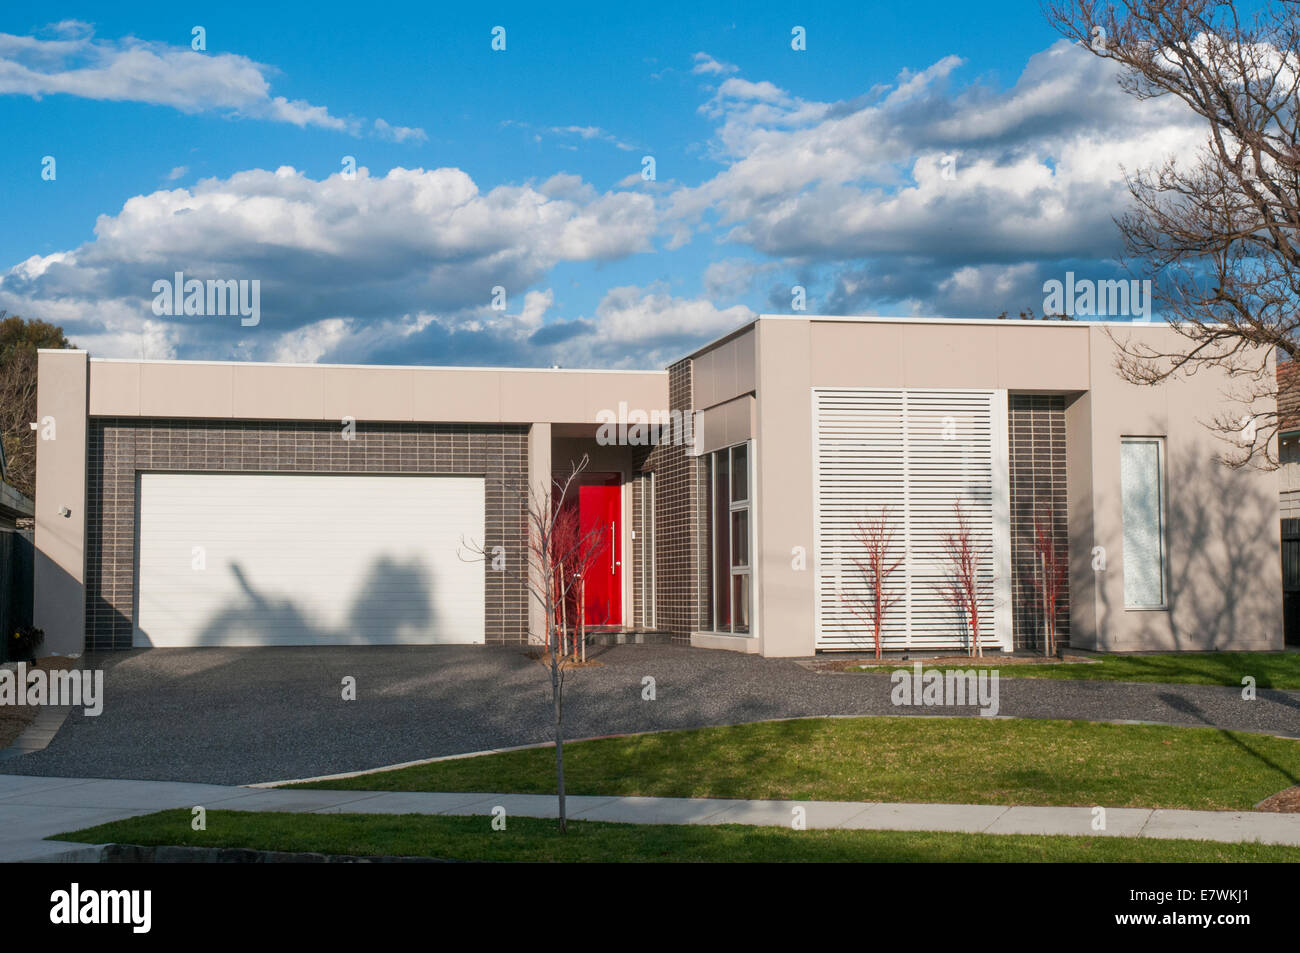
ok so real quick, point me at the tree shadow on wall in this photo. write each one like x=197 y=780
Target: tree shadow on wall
x=1223 y=582
x=374 y=617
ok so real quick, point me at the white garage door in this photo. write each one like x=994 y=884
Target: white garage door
x=294 y=559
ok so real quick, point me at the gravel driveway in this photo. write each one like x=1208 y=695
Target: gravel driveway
x=237 y=716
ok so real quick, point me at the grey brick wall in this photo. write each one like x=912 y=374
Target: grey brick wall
x=1037 y=450
x=122 y=447
x=677 y=522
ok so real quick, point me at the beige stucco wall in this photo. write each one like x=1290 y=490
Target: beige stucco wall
x=783 y=505
x=539 y=491
x=1079 y=523
x=332 y=392
x=1223 y=533
x=725 y=370
x=59 y=598
x=1223 y=536
x=724 y=425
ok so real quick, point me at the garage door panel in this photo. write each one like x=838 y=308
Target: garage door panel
x=297 y=559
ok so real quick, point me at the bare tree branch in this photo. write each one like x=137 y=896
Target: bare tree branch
x=1218 y=231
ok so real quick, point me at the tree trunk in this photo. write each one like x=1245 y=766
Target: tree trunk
x=581 y=627
x=562 y=608
x=559 y=735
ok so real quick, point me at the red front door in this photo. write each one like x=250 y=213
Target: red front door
x=600 y=519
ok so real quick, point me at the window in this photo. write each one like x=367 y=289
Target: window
x=1142 y=490
x=729 y=540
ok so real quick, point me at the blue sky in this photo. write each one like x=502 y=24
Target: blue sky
x=521 y=169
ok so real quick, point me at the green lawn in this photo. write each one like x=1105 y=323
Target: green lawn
x=531 y=839
x=1269 y=669
x=953 y=760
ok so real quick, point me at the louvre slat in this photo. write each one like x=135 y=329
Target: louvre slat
x=918 y=452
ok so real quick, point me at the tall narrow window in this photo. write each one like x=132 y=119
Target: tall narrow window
x=1142 y=489
x=721 y=545
x=729 y=538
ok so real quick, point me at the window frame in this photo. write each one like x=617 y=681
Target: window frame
x=733 y=507
x=1161 y=488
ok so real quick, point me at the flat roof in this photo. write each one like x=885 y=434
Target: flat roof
x=879 y=319
x=395 y=367
x=735 y=332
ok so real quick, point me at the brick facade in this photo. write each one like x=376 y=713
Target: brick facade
x=119 y=448
x=679 y=503
x=1037 y=465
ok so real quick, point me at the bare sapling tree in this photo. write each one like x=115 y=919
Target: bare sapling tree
x=967 y=574
x=1220 y=228
x=550 y=545
x=1051 y=578
x=547 y=551
x=576 y=554
x=878 y=560
x=563 y=543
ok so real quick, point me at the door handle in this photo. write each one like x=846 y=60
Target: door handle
x=612 y=563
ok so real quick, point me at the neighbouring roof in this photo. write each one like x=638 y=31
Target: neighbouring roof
x=12 y=503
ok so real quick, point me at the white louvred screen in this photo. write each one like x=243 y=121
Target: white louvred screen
x=916 y=452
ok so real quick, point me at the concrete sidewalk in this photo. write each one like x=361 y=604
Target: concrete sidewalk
x=33 y=808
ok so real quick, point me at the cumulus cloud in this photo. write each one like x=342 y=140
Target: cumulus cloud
x=924 y=196
x=367 y=250
x=635 y=326
x=734 y=277
x=921 y=173
x=76 y=63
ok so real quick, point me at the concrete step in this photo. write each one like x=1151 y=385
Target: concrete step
x=630 y=637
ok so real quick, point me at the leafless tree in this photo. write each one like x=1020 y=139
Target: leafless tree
x=879 y=560
x=1221 y=229
x=550 y=545
x=966 y=578
x=1051 y=579
x=17 y=411
x=575 y=555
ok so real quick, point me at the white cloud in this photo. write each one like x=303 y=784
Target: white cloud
x=587 y=133
x=399 y=133
x=708 y=66
x=733 y=277
x=134 y=70
x=635 y=315
x=367 y=250
x=932 y=180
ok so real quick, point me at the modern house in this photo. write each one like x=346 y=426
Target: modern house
x=217 y=503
